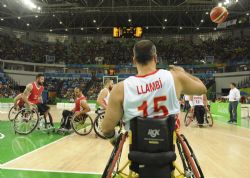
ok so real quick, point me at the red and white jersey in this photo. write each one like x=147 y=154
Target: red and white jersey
x=152 y=95
x=198 y=100
x=78 y=103
x=35 y=93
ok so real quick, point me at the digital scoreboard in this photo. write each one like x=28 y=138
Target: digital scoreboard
x=127 y=32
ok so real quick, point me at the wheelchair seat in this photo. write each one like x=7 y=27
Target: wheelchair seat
x=152 y=150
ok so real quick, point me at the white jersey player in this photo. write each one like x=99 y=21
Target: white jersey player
x=152 y=93
x=104 y=94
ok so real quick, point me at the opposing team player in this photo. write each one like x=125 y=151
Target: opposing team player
x=32 y=95
x=81 y=107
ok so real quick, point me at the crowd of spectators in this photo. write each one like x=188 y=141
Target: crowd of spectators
x=64 y=88
x=7 y=87
x=120 y=51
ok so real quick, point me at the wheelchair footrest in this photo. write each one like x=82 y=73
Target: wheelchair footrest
x=152 y=159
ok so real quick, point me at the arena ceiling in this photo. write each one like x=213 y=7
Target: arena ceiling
x=100 y=16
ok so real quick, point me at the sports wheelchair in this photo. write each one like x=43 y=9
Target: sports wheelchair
x=98 y=123
x=14 y=110
x=82 y=125
x=28 y=119
x=190 y=118
x=152 y=152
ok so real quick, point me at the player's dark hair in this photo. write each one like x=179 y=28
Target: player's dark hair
x=233 y=84
x=144 y=50
x=39 y=75
x=79 y=88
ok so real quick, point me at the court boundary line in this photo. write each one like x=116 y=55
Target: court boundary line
x=50 y=171
x=44 y=146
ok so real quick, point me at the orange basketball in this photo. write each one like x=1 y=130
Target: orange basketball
x=218 y=14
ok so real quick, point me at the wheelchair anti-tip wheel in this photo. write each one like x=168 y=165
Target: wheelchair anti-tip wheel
x=26 y=121
x=82 y=125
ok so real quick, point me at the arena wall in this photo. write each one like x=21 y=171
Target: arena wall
x=223 y=80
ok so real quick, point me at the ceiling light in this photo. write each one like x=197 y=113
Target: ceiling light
x=53 y=15
x=60 y=22
x=129 y=20
x=202 y=20
x=51 y=30
x=247 y=14
x=29 y=4
x=207 y=13
x=97 y=28
x=66 y=29
x=215 y=28
x=4 y=5
x=28 y=24
x=180 y=28
x=147 y=27
x=197 y=28
x=81 y=28
x=94 y=21
x=18 y=17
x=220 y=4
x=165 y=20
x=163 y=28
x=36 y=16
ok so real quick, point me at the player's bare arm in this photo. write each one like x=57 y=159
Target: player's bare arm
x=114 y=110
x=26 y=93
x=186 y=83
x=17 y=98
x=100 y=98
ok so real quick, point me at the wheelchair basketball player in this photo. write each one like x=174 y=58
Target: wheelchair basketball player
x=199 y=105
x=151 y=93
x=32 y=95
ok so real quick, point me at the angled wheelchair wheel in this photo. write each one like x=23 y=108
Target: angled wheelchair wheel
x=82 y=125
x=26 y=121
x=191 y=166
x=209 y=119
x=12 y=113
x=115 y=156
x=189 y=117
x=98 y=125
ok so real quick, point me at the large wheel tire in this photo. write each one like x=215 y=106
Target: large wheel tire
x=82 y=125
x=26 y=121
x=12 y=113
x=97 y=126
x=188 y=118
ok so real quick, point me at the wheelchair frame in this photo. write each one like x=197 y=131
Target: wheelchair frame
x=100 y=115
x=31 y=112
x=72 y=118
x=190 y=163
x=189 y=118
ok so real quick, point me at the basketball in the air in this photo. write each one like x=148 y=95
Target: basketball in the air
x=218 y=14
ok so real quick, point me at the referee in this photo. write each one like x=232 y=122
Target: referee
x=234 y=97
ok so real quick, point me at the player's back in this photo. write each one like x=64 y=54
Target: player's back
x=152 y=95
